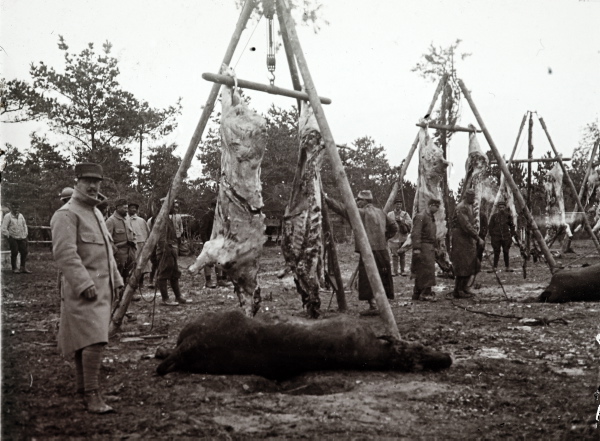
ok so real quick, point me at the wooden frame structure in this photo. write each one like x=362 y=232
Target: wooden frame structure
x=295 y=54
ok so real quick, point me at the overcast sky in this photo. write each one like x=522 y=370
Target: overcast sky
x=526 y=55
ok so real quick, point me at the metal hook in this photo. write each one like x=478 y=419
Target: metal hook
x=272 y=79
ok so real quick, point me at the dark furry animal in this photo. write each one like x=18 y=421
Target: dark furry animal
x=280 y=347
x=574 y=285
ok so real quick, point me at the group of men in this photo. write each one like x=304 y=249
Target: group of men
x=390 y=232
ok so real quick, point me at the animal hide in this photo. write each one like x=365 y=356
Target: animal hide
x=432 y=167
x=555 y=201
x=238 y=231
x=280 y=347
x=475 y=166
x=302 y=243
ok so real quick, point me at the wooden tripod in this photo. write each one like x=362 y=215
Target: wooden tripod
x=288 y=28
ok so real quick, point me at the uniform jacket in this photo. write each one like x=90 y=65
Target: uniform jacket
x=403 y=216
x=140 y=228
x=464 y=241
x=82 y=249
x=14 y=226
x=501 y=225
x=120 y=229
x=424 y=230
x=378 y=226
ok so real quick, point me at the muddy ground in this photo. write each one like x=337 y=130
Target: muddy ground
x=509 y=379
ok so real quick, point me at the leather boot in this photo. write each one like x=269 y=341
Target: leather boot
x=164 y=293
x=177 y=291
x=416 y=294
x=395 y=265
x=459 y=288
x=95 y=404
x=466 y=288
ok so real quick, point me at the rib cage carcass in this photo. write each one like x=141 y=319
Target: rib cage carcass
x=432 y=167
x=476 y=166
x=238 y=231
x=302 y=243
x=555 y=204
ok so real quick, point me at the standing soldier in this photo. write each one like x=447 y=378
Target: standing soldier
x=124 y=239
x=404 y=222
x=465 y=239
x=423 y=239
x=141 y=232
x=501 y=230
x=14 y=228
x=82 y=249
x=379 y=228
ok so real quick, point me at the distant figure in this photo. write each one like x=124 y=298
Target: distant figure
x=119 y=227
x=423 y=239
x=65 y=194
x=14 y=228
x=465 y=239
x=82 y=249
x=404 y=222
x=501 y=229
x=141 y=232
x=379 y=227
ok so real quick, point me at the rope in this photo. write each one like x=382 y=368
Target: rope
x=247 y=42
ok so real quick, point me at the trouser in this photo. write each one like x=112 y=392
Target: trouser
x=505 y=245
x=162 y=286
x=460 y=283
x=397 y=256
x=87 y=365
x=208 y=271
x=18 y=246
x=417 y=293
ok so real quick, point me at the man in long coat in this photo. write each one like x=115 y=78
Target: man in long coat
x=379 y=228
x=465 y=239
x=82 y=249
x=121 y=231
x=423 y=237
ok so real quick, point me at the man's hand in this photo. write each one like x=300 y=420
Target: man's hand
x=89 y=293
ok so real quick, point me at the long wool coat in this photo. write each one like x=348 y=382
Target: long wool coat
x=464 y=241
x=82 y=249
x=423 y=236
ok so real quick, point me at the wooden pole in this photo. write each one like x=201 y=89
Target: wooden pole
x=525 y=161
x=529 y=188
x=289 y=54
x=586 y=223
x=327 y=230
x=360 y=235
x=413 y=148
x=244 y=84
x=588 y=171
x=162 y=217
x=447 y=127
x=538 y=236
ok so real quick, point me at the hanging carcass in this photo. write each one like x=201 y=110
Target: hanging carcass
x=556 y=223
x=475 y=177
x=432 y=167
x=238 y=231
x=302 y=243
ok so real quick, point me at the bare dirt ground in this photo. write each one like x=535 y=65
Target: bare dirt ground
x=509 y=378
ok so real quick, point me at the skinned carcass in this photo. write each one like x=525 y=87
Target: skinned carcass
x=556 y=222
x=475 y=177
x=302 y=243
x=238 y=231
x=280 y=347
x=432 y=167
x=573 y=285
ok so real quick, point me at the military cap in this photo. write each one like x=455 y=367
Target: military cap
x=470 y=191
x=120 y=202
x=134 y=204
x=89 y=170
x=102 y=205
x=15 y=204
x=398 y=201
x=66 y=193
x=366 y=195
x=502 y=203
x=434 y=201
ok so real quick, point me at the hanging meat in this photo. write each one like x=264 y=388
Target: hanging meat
x=475 y=178
x=556 y=222
x=432 y=167
x=302 y=243
x=238 y=231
